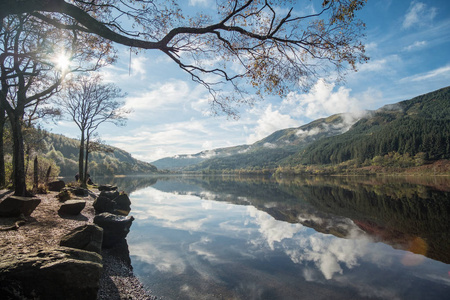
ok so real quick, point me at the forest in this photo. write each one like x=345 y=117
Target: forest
x=407 y=134
x=60 y=153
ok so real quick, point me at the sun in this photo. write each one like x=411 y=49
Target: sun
x=62 y=61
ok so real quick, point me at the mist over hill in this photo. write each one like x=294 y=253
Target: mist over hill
x=263 y=153
x=419 y=127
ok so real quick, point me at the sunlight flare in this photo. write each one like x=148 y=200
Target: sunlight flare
x=62 y=61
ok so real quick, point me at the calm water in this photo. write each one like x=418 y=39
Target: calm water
x=249 y=238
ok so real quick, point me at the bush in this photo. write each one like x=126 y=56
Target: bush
x=64 y=195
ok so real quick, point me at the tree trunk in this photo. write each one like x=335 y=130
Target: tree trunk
x=27 y=158
x=2 y=149
x=86 y=162
x=35 y=174
x=20 y=187
x=81 y=158
x=49 y=170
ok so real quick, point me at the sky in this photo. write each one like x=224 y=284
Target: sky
x=408 y=44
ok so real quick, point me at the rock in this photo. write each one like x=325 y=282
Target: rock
x=80 y=192
x=107 y=188
x=58 y=273
x=64 y=195
x=115 y=228
x=87 y=237
x=13 y=206
x=119 y=206
x=72 y=207
x=121 y=212
x=110 y=195
x=56 y=186
x=103 y=204
x=122 y=204
x=121 y=252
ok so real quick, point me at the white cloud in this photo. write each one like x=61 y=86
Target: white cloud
x=270 y=121
x=153 y=142
x=269 y=145
x=207 y=145
x=443 y=72
x=382 y=66
x=168 y=95
x=198 y=2
x=371 y=46
x=374 y=65
x=311 y=132
x=138 y=66
x=418 y=14
x=321 y=102
x=415 y=45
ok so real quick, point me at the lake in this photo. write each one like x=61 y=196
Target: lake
x=230 y=237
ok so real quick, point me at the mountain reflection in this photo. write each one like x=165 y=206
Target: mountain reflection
x=398 y=213
x=260 y=238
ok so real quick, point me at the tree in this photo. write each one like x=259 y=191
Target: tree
x=31 y=73
x=274 y=48
x=90 y=103
x=2 y=148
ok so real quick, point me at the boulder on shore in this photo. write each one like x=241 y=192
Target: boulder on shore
x=72 y=207
x=14 y=206
x=109 y=194
x=56 y=186
x=103 y=204
x=107 y=188
x=57 y=273
x=82 y=192
x=122 y=205
x=86 y=237
x=115 y=228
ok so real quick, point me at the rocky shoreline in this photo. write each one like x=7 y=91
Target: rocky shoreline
x=35 y=243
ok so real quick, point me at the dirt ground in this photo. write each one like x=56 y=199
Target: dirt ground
x=44 y=229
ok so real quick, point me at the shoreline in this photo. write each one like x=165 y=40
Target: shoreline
x=44 y=228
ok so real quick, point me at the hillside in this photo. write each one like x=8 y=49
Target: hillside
x=417 y=130
x=417 y=126
x=113 y=161
x=266 y=153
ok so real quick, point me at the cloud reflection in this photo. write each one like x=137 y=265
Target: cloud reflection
x=164 y=261
x=272 y=230
x=189 y=212
x=328 y=253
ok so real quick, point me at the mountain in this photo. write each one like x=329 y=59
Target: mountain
x=179 y=162
x=266 y=153
x=420 y=126
x=408 y=130
x=110 y=161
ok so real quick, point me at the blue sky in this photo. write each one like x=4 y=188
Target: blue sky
x=408 y=44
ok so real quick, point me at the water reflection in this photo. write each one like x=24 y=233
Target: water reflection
x=247 y=238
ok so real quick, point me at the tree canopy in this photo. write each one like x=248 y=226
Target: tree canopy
x=263 y=44
x=89 y=103
x=33 y=64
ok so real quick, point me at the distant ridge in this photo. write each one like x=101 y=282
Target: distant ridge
x=419 y=125
x=114 y=161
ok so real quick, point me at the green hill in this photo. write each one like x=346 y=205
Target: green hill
x=113 y=161
x=417 y=126
x=266 y=153
x=415 y=130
